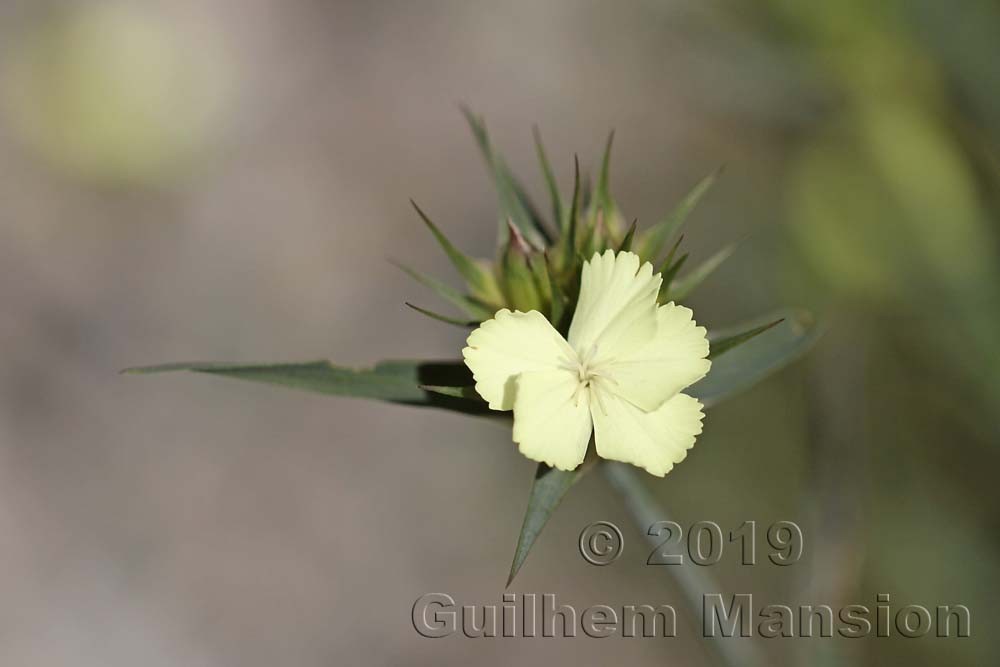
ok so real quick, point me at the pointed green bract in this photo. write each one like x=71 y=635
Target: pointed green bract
x=586 y=191
x=755 y=360
x=481 y=281
x=668 y=261
x=602 y=196
x=514 y=202
x=569 y=239
x=443 y=318
x=626 y=243
x=723 y=345
x=595 y=236
x=656 y=237
x=550 y=180
x=548 y=489
x=468 y=305
x=666 y=292
x=686 y=284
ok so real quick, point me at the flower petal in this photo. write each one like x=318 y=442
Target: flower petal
x=616 y=311
x=506 y=346
x=552 y=422
x=672 y=360
x=652 y=440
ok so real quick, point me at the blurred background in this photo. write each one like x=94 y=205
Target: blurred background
x=212 y=179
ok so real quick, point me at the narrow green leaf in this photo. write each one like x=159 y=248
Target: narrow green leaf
x=569 y=240
x=391 y=381
x=750 y=363
x=467 y=393
x=468 y=324
x=689 y=282
x=548 y=489
x=550 y=181
x=666 y=292
x=478 y=278
x=593 y=239
x=514 y=201
x=586 y=192
x=468 y=305
x=668 y=260
x=656 y=237
x=722 y=345
x=602 y=197
x=626 y=243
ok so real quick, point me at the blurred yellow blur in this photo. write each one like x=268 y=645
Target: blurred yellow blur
x=113 y=91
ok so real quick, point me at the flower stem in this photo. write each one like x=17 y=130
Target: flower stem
x=693 y=582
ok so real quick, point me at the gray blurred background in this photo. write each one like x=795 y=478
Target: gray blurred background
x=212 y=179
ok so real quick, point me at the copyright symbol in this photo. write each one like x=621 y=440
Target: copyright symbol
x=601 y=543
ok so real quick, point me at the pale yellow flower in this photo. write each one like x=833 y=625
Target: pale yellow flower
x=620 y=373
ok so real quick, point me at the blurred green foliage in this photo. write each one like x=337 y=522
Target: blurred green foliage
x=892 y=194
x=890 y=184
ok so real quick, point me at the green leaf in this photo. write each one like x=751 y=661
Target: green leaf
x=602 y=197
x=722 y=345
x=391 y=381
x=668 y=278
x=656 y=237
x=586 y=190
x=514 y=201
x=467 y=393
x=668 y=261
x=548 y=489
x=626 y=243
x=468 y=305
x=468 y=324
x=755 y=360
x=550 y=181
x=479 y=279
x=689 y=282
x=595 y=236
x=569 y=239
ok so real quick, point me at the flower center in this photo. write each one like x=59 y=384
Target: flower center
x=588 y=374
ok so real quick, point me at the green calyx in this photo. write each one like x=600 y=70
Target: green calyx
x=539 y=257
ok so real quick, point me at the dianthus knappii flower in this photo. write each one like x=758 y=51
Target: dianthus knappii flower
x=619 y=373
